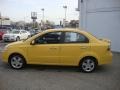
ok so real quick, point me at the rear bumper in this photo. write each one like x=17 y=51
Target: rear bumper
x=106 y=58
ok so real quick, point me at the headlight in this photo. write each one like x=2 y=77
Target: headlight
x=5 y=48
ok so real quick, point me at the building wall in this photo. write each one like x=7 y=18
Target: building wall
x=102 y=18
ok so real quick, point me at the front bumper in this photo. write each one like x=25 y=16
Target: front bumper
x=5 y=56
x=9 y=39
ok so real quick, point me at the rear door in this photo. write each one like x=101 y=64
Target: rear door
x=74 y=45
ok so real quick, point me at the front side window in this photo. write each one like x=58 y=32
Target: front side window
x=73 y=37
x=49 y=38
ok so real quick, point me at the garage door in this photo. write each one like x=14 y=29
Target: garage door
x=102 y=18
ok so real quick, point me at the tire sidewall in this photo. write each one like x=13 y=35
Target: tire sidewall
x=23 y=61
x=29 y=36
x=95 y=65
x=18 y=38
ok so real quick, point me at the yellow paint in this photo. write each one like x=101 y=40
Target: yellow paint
x=60 y=54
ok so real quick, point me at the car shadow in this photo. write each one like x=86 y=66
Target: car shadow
x=52 y=68
x=49 y=68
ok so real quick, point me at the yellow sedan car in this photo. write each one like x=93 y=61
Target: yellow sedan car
x=69 y=47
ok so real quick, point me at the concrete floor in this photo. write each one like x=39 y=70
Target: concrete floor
x=38 y=77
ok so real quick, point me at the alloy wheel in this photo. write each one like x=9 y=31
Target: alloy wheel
x=16 y=62
x=88 y=65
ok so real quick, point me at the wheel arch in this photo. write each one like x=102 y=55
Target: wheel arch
x=18 y=36
x=93 y=57
x=16 y=53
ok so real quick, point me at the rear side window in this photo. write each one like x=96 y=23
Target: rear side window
x=74 y=37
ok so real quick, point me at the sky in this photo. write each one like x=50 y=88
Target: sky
x=18 y=10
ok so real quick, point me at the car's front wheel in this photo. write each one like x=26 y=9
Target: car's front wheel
x=88 y=65
x=17 y=61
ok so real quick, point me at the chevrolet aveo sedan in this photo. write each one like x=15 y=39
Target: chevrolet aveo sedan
x=68 y=47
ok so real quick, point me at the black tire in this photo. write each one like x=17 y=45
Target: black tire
x=88 y=64
x=18 y=39
x=17 y=61
x=29 y=36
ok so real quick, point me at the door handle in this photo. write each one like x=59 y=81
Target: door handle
x=53 y=48
x=83 y=47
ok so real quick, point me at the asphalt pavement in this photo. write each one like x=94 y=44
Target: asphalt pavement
x=37 y=77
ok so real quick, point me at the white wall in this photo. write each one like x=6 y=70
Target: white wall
x=102 y=18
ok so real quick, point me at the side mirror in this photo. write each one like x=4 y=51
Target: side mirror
x=33 y=42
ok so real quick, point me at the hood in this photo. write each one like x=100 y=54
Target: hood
x=15 y=43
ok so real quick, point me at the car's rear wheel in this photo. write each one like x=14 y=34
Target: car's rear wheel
x=17 y=61
x=18 y=39
x=88 y=65
x=29 y=36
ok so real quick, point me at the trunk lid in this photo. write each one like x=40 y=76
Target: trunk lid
x=105 y=40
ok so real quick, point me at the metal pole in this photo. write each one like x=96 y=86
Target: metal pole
x=65 y=13
x=24 y=22
x=43 y=17
x=1 y=19
x=65 y=7
x=43 y=13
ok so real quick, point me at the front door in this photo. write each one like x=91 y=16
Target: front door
x=46 y=49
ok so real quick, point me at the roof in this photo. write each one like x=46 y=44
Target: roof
x=65 y=29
